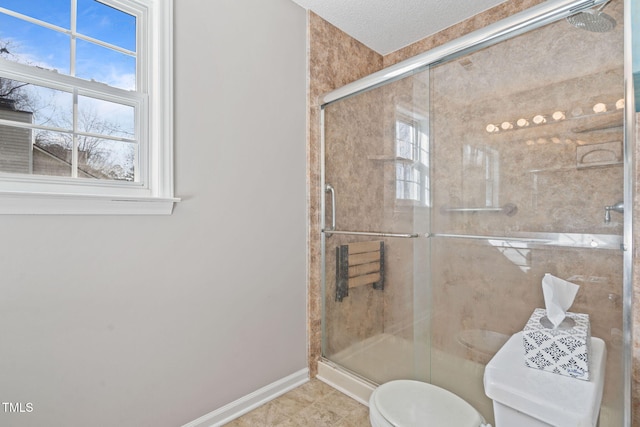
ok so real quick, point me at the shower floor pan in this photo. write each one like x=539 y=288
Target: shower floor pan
x=358 y=369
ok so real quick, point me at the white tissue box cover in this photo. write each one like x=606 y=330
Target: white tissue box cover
x=561 y=351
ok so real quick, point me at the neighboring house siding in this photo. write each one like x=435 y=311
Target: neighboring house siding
x=17 y=155
x=15 y=143
x=46 y=164
x=50 y=164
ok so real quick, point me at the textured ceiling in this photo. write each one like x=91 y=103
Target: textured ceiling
x=388 y=25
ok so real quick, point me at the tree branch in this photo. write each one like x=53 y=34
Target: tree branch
x=13 y=89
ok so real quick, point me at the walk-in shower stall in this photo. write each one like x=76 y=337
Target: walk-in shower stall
x=455 y=180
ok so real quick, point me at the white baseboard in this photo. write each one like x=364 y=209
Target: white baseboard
x=350 y=385
x=251 y=401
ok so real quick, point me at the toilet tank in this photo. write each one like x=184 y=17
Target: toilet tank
x=528 y=397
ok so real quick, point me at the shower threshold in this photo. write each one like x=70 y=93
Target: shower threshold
x=345 y=381
x=387 y=357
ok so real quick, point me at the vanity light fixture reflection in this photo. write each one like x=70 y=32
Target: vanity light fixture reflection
x=506 y=126
x=577 y=112
x=539 y=119
x=600 y=108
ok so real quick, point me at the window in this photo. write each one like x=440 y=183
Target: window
x=412 y=160
x=85 y=106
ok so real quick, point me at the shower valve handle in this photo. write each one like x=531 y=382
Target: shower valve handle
x=618 y=207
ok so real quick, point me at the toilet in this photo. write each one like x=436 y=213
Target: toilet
x=407 y=403
x=528 y=397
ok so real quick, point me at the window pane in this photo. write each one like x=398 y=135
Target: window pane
x=106 y=24
x=15 y=148
x=404 y=149
x=31 y=44
x=404 y=131
x=105 y=118
x=52 y=152
x=105 y=159
x=36 y=104
x=55 y=12
x=94 y=62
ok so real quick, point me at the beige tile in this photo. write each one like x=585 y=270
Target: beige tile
x=339 y=404
x=316 y=416
x=356 y=418
x=290 y=422
x=266 y=415
x=310 y=392
x=314 y=404
x=291 y=403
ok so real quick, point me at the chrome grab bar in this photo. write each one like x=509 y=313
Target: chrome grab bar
x=332 y=229
x=506 y=239
x=329 y=189
x=372 y=233
x=566 y=240
x=509 y=209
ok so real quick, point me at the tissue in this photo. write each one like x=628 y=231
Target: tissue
x=558 y=297
x=554 y=339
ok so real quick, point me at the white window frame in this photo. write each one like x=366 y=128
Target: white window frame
x=417 y=123
x=152 y=193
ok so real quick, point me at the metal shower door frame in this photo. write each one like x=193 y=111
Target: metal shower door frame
x=530 y=19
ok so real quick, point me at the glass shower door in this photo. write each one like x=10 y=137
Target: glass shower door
x=527 y=161
x=376 y=175
x=456 y=189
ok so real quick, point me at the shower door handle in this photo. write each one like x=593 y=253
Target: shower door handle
x=329 y=189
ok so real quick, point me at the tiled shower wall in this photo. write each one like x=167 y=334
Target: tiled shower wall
x=336 y=59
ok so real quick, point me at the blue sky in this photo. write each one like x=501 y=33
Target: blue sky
x=50 y=49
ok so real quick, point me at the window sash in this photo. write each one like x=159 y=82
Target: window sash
x=153 y=102
x=49 y=79
x=137 y=99
x=412 y=169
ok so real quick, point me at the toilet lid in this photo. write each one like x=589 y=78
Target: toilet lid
x=409 y=403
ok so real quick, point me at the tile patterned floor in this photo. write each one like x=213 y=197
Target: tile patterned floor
x=313 y=404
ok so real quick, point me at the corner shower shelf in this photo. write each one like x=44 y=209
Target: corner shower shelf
x=384 y=158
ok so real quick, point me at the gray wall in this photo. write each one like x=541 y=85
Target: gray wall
x=156 y=321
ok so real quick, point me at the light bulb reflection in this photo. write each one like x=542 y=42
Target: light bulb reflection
x=539 y=119
x=599 y=108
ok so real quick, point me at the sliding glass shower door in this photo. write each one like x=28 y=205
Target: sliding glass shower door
x=527 y=163
x=377 y=202
x=452 y=191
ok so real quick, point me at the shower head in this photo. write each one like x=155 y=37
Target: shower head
x=593 y=20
